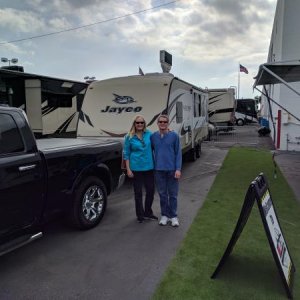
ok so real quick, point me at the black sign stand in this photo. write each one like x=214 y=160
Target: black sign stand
x=259 y=191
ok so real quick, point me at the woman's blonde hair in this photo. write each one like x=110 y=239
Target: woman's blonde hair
x=132 y=130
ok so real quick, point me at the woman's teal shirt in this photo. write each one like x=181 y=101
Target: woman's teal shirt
x=139 y=152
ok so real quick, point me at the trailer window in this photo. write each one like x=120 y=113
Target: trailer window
x=197 y=105
x=179 y=112
x=59 y=101
x=10 y=138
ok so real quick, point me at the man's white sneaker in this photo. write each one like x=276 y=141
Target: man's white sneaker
x=163 y=221
x=174 y=222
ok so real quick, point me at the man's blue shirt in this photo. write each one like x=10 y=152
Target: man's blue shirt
x=167 y=151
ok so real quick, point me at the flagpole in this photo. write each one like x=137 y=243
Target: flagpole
x=239 y=81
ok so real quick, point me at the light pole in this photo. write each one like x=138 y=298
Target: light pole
x=5 y=60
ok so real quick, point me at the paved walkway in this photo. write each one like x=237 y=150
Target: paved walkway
x=289 y=164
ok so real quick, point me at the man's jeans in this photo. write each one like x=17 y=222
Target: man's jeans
x=167 y=187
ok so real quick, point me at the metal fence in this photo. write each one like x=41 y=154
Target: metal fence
x=234 y=135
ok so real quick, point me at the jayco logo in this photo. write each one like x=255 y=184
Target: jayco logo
x=122 y=100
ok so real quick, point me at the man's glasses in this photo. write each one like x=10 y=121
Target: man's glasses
x=139 y=123
x=165 y=122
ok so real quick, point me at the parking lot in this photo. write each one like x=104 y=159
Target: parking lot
x=119 y=259
x=239 y=135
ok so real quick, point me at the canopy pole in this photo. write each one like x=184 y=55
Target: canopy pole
x=280 y=79
x=278 y=104
x=239 y=71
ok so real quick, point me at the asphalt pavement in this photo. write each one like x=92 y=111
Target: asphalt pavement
x=122 y=259
x=289 y=164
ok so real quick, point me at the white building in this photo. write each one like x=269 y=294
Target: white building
x=282 y=111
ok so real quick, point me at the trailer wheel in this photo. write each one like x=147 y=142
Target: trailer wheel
x=198 y=150
x=240 y=122
x=192 y=155
x=89 y=203
x=209 y=135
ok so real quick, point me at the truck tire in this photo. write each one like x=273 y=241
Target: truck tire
x=89 y=203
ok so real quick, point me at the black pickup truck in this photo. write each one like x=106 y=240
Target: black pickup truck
x=42 y=178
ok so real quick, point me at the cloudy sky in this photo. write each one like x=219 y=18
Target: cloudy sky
x=207 y=38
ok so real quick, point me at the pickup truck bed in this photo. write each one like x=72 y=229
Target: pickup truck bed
x=65 y=143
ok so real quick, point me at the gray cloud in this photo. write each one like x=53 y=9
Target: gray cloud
x=19 y=20
x=201 y=34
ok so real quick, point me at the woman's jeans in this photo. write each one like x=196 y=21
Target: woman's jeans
x=140 y=179
x=167 y=187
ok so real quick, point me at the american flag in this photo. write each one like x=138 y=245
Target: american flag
x=243 y=69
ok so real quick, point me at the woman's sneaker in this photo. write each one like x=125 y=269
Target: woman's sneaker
x=174 y=222
x=163 y=221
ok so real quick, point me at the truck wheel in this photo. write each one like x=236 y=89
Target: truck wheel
x=240 y=122
x=89 y=203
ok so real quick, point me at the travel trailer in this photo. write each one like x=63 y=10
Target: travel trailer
x=51 y=104
x=245 y=112
x=109 y=107
x=221 y=106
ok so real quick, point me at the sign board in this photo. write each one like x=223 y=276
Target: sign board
x=278 y=241
x=259 y=191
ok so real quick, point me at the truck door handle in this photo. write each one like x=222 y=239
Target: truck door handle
x=25 y=168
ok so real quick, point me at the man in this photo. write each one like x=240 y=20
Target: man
x=167 y=165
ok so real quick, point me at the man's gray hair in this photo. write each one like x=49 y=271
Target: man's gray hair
x=163 y=116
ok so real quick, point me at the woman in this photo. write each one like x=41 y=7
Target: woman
x=139 y=165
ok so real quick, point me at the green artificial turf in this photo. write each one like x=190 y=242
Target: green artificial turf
x=250 y=272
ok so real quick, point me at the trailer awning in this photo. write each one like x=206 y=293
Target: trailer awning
x=277 y=73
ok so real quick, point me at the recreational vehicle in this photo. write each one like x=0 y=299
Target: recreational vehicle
x=51 y=104
x=245 y=112
x=109 y=107
x=221 y=106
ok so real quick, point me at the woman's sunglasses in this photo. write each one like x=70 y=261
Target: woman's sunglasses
x=139 y=122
